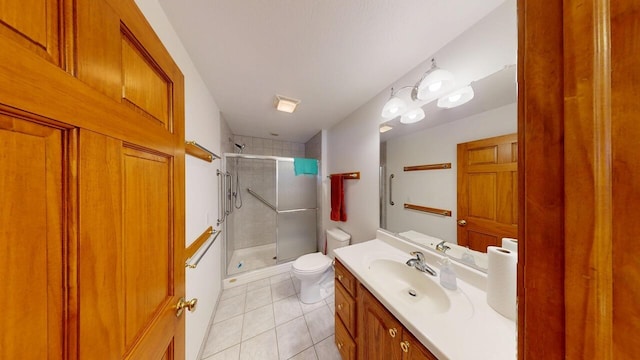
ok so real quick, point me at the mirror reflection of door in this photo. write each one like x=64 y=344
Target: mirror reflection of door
x=487 y=191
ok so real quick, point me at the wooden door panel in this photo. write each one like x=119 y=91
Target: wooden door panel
x=482 y=196
x=34 y=24
x=31 y=240
x=487 y=191
x=127 y=252
x=145 y=86
x=100 y=269
x=148 y=241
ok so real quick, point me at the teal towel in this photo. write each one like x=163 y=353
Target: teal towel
x=303 y=166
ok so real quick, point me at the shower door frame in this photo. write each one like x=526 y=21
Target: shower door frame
x=226 y=156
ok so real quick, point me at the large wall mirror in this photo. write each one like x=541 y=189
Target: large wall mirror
x=422 y=205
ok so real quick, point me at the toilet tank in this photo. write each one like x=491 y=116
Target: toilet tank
x=336 y=238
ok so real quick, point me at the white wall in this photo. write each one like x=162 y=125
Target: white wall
x=437 y=188
x=202 y=124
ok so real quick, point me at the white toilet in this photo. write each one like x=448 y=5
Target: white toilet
x=312 y=269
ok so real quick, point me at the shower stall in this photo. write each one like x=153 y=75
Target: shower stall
x=269 y=212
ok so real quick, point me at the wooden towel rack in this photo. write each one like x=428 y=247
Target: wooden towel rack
x=348 y=176
x=428 y=209
x=194 y=149
x=428 y=167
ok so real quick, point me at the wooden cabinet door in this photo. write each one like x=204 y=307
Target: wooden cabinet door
x=413 y=349
x=379 y=333
x=131 y=265
x=487 y=191
x=32 y=325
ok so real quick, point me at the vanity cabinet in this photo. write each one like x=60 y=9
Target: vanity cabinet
x=365 y=329
x=346 y=286
x=382 y=336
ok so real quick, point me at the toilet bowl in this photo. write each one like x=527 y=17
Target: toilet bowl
x=313 y=269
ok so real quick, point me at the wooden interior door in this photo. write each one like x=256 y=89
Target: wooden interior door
x=487 y=191
x=32 y=325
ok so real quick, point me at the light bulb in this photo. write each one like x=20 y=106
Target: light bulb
x=435 y=86
x=456 y=97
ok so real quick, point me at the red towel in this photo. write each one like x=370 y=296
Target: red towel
x=338 y=212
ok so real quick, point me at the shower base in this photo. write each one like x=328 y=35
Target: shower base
x=252 y=258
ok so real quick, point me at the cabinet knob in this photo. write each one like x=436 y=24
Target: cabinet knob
x=462 y=222
x=340 y=307
x=339 y=344
x=393 y=332
x=340 y=277
x=405 y=346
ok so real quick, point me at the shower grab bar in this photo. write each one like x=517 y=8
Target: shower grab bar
x=261 y=199
x=391 y=189
x=193 y=261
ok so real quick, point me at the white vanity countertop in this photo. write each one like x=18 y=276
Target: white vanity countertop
x=474 y=331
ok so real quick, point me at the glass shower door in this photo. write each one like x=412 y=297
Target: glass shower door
x=296 y=217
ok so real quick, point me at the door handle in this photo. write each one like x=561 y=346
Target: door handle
x=183 y=304
x=391 y=189
x=462 y=222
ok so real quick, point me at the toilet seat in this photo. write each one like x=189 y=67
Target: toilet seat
x=310 y=263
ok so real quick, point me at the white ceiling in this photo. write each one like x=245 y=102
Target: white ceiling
x=333 y=55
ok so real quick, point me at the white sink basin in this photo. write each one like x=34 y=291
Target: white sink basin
x=410 y=285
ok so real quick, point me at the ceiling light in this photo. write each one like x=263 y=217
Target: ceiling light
x=434 y=81
x=412 y=116
x=456 y=98
x=286 y=104
x=385 y=128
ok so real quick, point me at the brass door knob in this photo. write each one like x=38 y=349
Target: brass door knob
x=393 y=332
x=183 y=304
x=462 y=222
x=405 y=346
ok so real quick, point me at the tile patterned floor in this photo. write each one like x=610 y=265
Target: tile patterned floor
x=265 y=320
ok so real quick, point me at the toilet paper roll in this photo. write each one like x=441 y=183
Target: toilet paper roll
x=501 y=280
x=510 y=243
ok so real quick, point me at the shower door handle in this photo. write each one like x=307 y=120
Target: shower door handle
x=391 y=189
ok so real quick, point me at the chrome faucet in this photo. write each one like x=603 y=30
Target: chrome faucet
x=419 y=263
x=442 y=246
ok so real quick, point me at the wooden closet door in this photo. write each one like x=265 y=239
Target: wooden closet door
x=32 y=240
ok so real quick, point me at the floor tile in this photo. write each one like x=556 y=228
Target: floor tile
x=310 y=307
x=229 y=308
x=258 y=298
x=327 y=350
x=286 y=309
x=234 y=291
x=232 y=353
x=223 y=335
x=309 y=354
x=293 y=337
x=282 y=290
x=320 y=323
x=280 y=277
x=257 y=321
x=258 y=284
x=262 y=347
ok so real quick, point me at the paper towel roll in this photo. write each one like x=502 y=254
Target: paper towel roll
x=501 y=280
x=510 y=243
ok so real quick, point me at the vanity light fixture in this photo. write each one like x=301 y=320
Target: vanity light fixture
x=434 y=81
x=456 y=98
x=286 y=104
x=412 y=116
x=385 y=128
x=394 y=106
